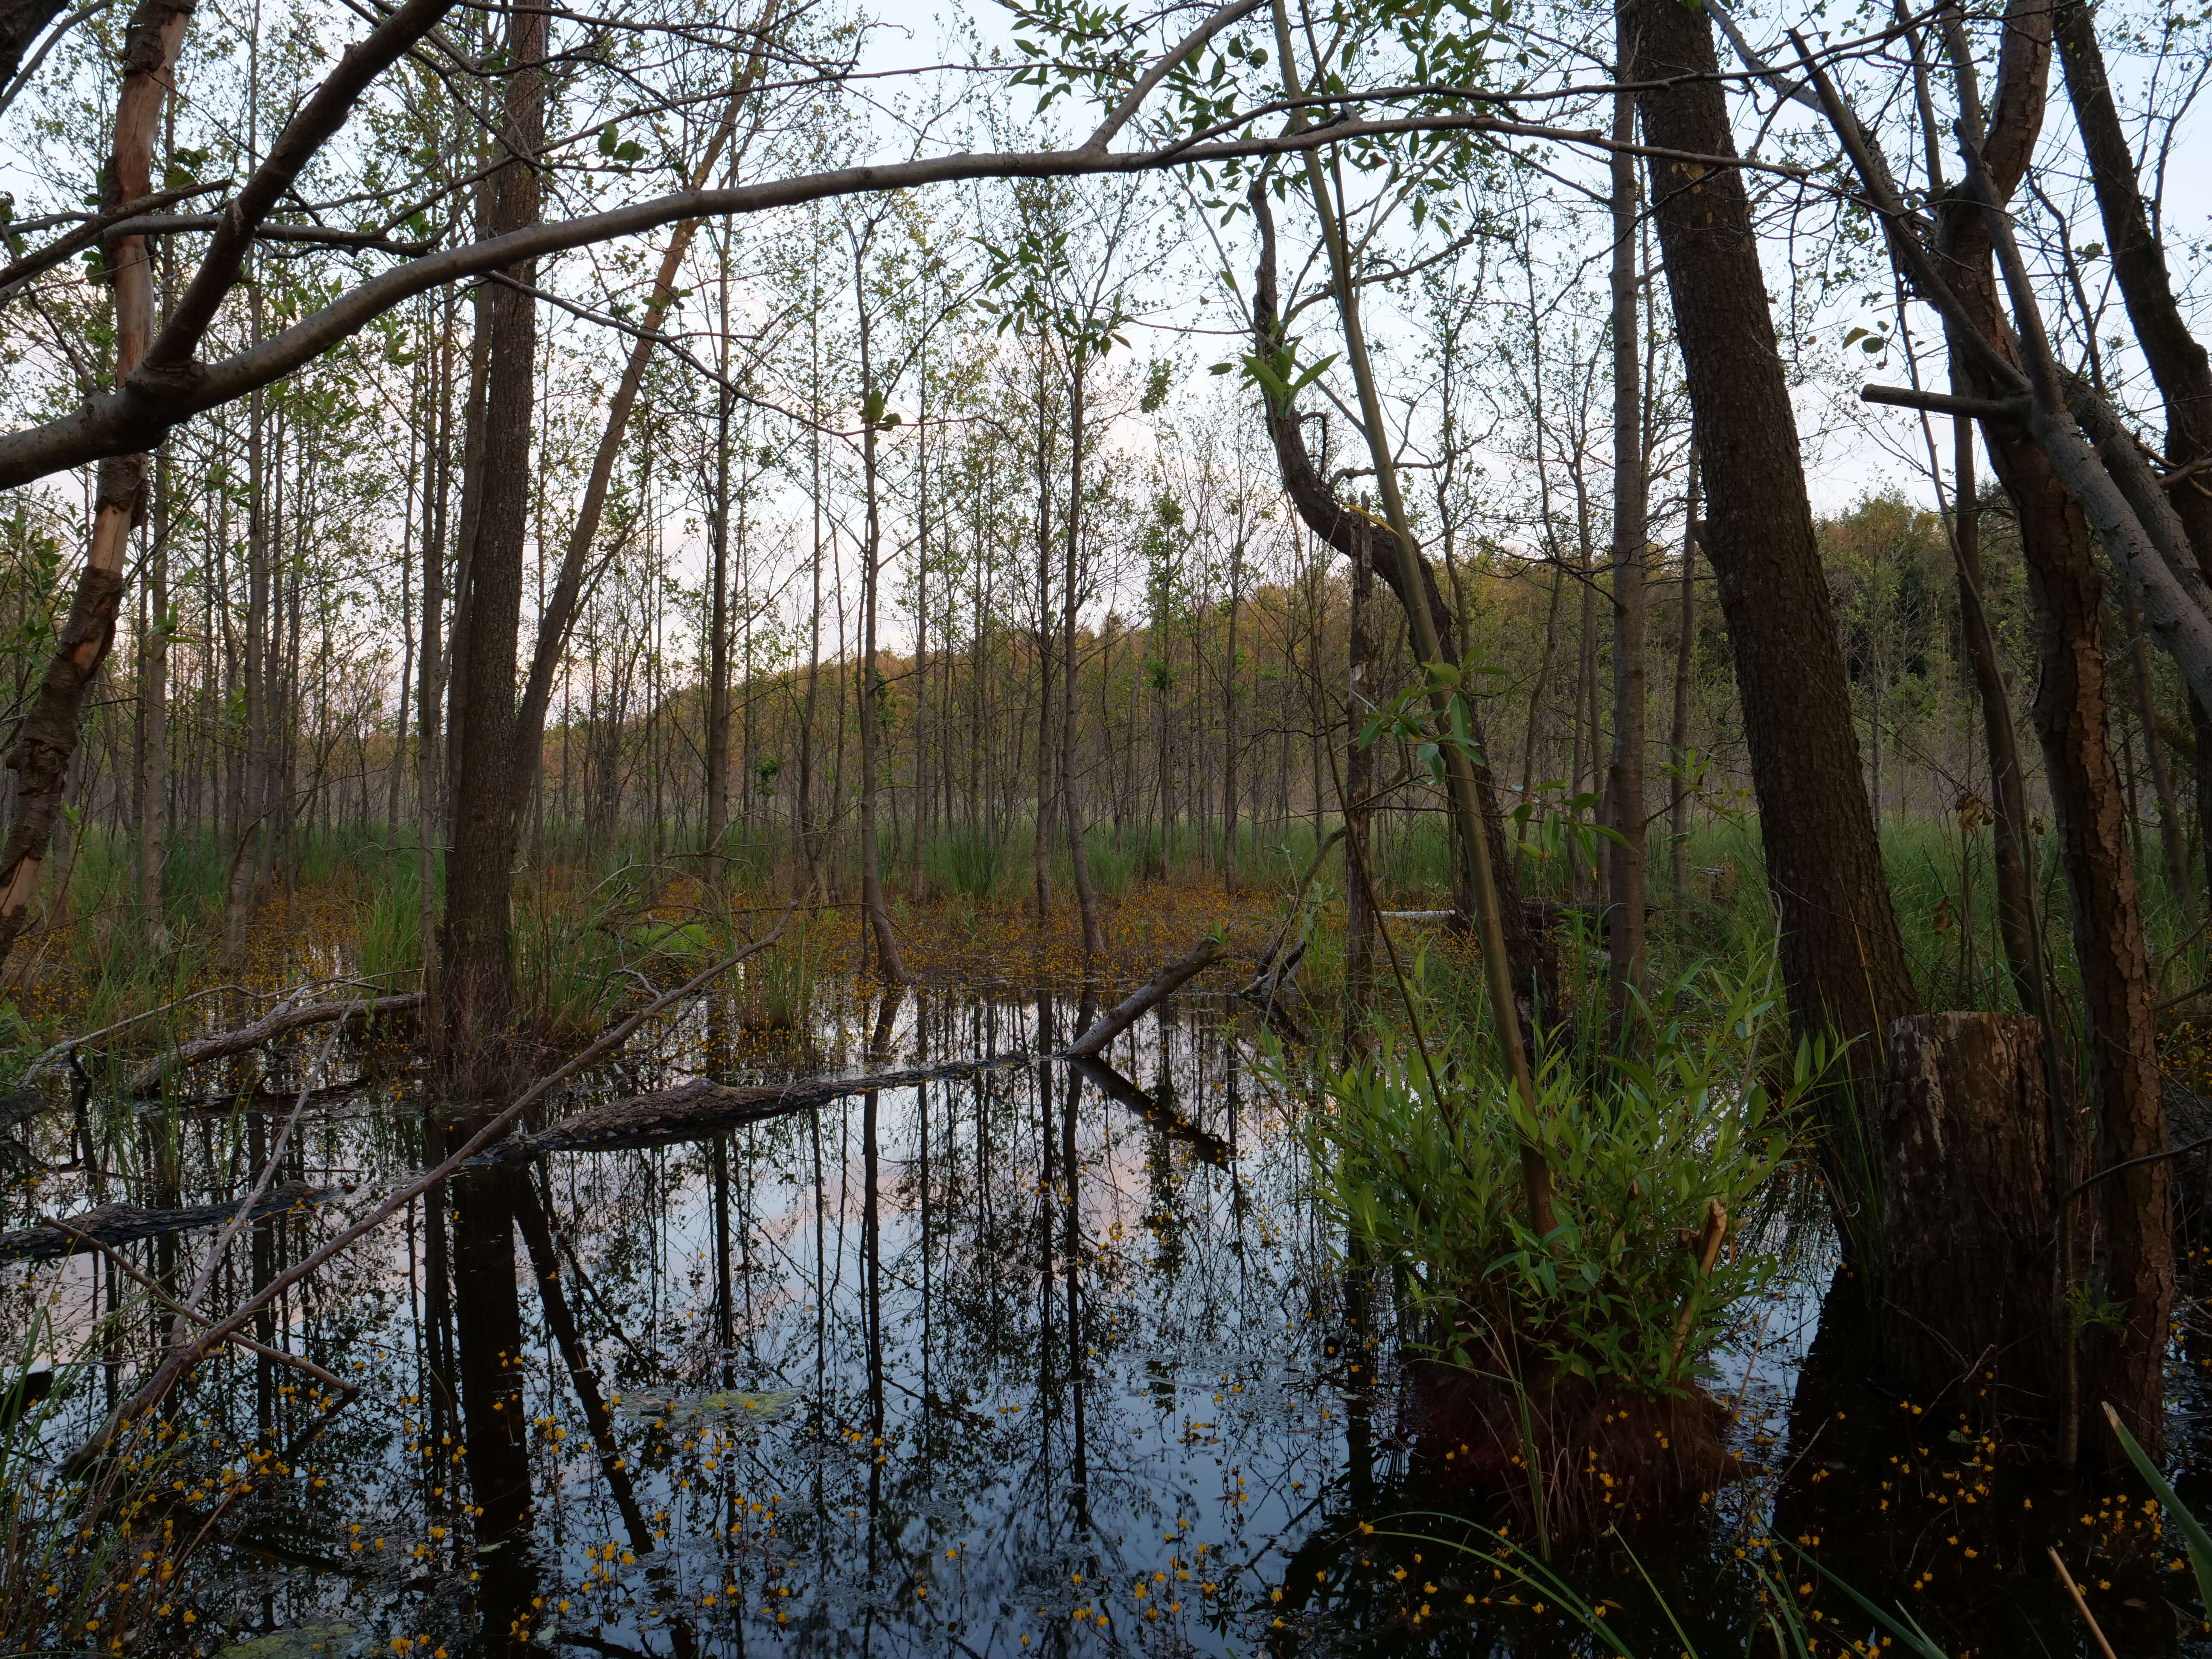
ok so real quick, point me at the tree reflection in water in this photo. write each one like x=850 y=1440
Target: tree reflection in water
x=1032 y=1360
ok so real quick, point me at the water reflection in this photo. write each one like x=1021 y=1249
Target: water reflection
x=1035 y=1359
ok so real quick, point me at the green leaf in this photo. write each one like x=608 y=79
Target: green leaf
x=2192 y=1530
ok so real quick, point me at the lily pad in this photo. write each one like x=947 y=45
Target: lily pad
x=308 y=1642
x=723 y=1406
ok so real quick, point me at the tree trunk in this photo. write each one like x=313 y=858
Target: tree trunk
x=1041 y=845
x=2122 y=1362
x=718 y=614
x=429 y=692
x=1366 y=541
x=1962 y=1271
x=46 y=741
x=2171 y=847
x=2176 y=359
x=889 y=967
x=1842 y=958
x=488 y=1318
x=153 y=715
x=1086 y=895
x=1626 y=861
x=1359 y=904
x=2015 y=855
x=478 y=970
x=1685 y=658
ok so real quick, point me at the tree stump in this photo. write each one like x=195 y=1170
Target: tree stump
x=1962 y=1252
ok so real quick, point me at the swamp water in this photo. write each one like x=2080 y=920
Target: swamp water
x=1019 y=1362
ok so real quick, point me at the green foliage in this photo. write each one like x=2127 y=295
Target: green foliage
x=2193 y=1534
x=389 y=942
x=1422 y=1168
x=965 y=863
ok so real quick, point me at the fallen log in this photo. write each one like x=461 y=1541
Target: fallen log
x=126 y=1224
x=698 y=1108
x=21 y=1106
x=701 y=1107
x=1119 y=1018
x=154 y=1075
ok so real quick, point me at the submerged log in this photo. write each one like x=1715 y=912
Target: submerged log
x=155 y=1074
x=701 y=1107
x=126 y=1224
x=1961 y=1254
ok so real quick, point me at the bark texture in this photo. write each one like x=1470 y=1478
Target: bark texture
x=2121 y=1359
x=476 y=972
x=1843 y=959
x=2176 y=359
x=46 y=741
x=1962 y=1277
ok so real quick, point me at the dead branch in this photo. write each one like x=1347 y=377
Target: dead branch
x=703 y=1107
x=126 y=1224
x=1123 y=1015
x=180 y=1361
x=1116 y=1088
x=155 y=1074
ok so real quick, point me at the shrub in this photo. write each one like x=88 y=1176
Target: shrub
x=1419 y=1162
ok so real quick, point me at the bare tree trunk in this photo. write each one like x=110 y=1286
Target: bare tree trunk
x=1627 y=865
x=558 y=613
x=2016 y=856
x=477 y=971
x=46 y=741
x=2176 y=359
x=245 y=859
x=1041 y=846
x=429 y=692
x=1229 y=723
x=889 y=967
x=1685 y=658
x=2171 y=847
x=1357 y=536
x=718 y=607
x=2123 y=1363
x=1359 y=899
x=922 y=802
x=1531 y=732
x=1086 y=896
x=803 y=806
x=154 y=714
x=1842 y=958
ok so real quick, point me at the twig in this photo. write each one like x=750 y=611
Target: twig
x=116 y=1259
x=2087 y=1182
x=2080 y=1606
x=221 y=1241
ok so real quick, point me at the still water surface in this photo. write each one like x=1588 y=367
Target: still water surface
x=1013 y=1363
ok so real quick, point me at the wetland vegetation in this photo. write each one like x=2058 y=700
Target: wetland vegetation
x=1071 y=831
